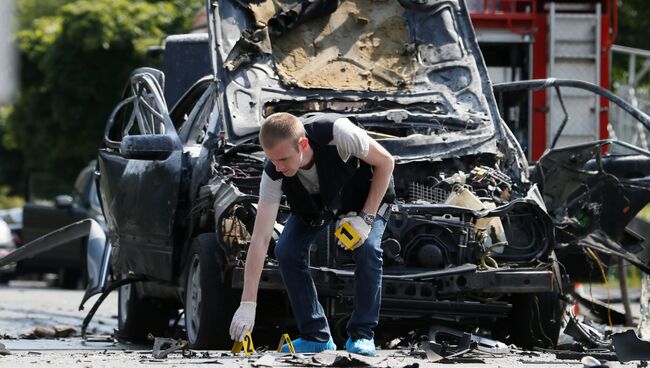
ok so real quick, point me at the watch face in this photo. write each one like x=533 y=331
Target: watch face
x=368 y=218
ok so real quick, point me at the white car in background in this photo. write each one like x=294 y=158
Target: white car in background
x=7 y=246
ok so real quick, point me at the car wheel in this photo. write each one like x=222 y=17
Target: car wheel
x=536 y=320
x=208 y=299
x=138 y=316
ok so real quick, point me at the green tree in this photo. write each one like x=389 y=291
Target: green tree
x=634 y=22
x=74 y=66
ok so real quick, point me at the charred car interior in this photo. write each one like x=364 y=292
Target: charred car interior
x=477 y=240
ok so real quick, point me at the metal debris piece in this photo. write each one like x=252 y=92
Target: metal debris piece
x=300 y=360
x=432 y=356
x=3 y=350
x=344 y=359
x=163 y=346
x=447 y=350
x=575 y=355
x=629 y=347
x=99 y=338
x=265 y=361
x=585 y=333
x=466 y=342
x=591 y=362
x=41 y=332
x=486 y=345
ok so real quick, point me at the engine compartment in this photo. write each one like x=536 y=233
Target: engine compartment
x=447 y=213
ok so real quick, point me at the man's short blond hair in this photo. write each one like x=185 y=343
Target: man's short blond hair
x=281 y=126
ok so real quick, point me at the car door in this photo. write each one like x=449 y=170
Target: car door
x=140 y=165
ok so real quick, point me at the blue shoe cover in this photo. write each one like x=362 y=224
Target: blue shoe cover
x=361 y=346
x=307 y=346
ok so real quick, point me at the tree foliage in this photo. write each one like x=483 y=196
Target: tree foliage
x=634 y=16
x=74 y=63
x=634 y=21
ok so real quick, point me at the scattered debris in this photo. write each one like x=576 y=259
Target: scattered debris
x=189 y=354
x=330 y=358
x=266 y=360
x=575 y=355
x=591 y=362
x=103 y=338
x=431 y=355
x=486 y=345
x=3 y=350
x=163 y=346
x=629 y=347
x=41 y=332
x=440 y=337
x=586 y=334
x=448 y=342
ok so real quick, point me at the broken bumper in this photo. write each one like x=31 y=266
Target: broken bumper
x=423 y=293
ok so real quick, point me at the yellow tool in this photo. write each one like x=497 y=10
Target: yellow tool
x=287 y=339
x=347 y=235
x=246 y=345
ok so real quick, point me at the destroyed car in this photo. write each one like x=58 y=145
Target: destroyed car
x=472 y=237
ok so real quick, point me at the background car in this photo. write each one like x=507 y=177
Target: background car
x=7 y=246
x=38 y=219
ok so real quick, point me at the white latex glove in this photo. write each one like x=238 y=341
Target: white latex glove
x=243 y=321
x=357 y=224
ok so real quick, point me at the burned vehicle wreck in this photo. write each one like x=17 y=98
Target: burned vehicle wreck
x=469 y=244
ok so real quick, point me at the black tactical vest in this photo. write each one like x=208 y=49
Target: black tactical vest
x=344 y=186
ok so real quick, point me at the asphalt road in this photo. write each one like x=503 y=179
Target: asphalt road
x=24 y=306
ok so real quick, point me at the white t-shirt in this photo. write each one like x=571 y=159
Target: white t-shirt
x=349 y=139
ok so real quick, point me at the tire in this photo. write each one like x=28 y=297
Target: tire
x=138 y=316
x=208 y=300
x=536 y=320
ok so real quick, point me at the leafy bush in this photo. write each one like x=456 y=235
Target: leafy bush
x=74 y=66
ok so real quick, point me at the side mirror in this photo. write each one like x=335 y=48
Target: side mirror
x=149 y=147
x=63 y=201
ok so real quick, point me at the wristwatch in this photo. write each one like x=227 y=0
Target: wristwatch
x=368 y=218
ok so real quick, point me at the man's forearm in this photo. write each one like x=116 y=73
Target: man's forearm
x=378 y=186
x=253 y=269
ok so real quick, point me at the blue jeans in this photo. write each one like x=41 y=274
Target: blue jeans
x=292 y=254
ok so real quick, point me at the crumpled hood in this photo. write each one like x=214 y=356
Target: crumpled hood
x=272 y=51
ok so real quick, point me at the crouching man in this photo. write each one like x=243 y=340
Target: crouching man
x=329 y=169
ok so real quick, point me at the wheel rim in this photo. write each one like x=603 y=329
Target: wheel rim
x=125 y=295
x=193 y=300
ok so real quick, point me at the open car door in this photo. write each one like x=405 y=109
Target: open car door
x=140 y=170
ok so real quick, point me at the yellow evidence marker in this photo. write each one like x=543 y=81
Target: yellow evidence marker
x=246 y=345
x=347 y=235
x=285 y=338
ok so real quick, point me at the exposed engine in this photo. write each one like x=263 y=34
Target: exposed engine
x=447 y=213
x=463 y=213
